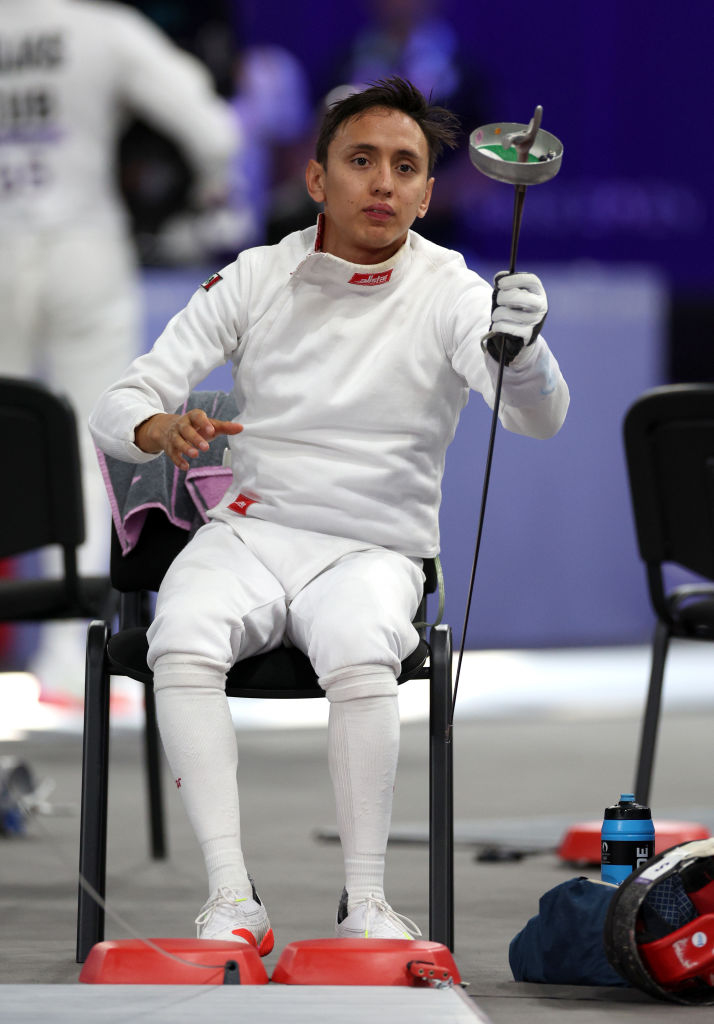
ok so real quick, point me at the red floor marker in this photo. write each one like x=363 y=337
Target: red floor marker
x=366 y=962
x=581 y=843
x=200 y=962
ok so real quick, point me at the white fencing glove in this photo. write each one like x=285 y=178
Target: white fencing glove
x=518 y=310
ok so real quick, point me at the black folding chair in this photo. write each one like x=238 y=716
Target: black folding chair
x=669 y=446
x=284 y=673
x=43 y=505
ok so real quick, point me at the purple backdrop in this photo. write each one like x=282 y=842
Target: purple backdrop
x=625 y=86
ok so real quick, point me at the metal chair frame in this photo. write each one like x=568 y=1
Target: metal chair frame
x=281 y=674
x=669 y=448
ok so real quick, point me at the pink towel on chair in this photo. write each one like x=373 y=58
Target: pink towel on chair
x=185 y=497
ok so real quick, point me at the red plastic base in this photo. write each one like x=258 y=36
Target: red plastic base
x=365 y=962
x=581 y=844
x=132 y=962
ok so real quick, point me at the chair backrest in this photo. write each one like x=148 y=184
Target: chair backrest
x=42 y=501
x=144 y=567
x=669 y=446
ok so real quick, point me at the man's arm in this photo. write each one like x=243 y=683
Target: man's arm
x=535 y=396
x=135 y=418
x=173 y=91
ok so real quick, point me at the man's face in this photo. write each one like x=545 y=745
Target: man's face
x=374 y=185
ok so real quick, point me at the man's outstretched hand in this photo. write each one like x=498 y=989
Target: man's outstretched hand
x=181 y=437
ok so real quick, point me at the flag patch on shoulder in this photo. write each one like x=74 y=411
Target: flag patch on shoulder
x=213 y=279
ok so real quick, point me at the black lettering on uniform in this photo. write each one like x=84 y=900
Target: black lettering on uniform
x=25 y=111
x=33 y=53
x=42 y=104
x=37 y=172
x=53 y=47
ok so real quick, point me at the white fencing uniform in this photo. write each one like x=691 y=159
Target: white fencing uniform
x=70 y=74
x=349 y=382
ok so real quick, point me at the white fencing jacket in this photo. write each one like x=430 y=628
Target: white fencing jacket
x=349 y=382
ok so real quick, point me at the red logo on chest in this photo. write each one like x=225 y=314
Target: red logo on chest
x=371 y=279
x=241 y=504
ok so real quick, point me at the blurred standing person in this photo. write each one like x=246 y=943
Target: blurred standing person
x=71 y=75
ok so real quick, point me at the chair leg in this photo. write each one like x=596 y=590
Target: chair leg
x=95 y=777
x=134 y=611
x=650 y=722
x=152 y=754
x=441 y=790
x=131 y=610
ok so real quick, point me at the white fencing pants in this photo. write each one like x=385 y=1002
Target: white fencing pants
x=219 y=603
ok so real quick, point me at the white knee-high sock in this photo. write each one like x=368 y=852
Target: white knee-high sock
x=363 y=749
x=199 y=739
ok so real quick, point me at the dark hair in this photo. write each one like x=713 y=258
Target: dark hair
x=440 y=127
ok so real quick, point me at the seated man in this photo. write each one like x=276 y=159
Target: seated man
x=353 y=346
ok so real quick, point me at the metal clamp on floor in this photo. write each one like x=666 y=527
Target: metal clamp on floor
x=430 y=974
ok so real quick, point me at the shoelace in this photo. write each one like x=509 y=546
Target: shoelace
x=399 y=920
x=223 y=895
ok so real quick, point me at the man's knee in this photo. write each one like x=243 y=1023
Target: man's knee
x=383 y=646
x=359 y=613
x=192 y=642
x=359 y=681
x=217 y=640
x=216 y=603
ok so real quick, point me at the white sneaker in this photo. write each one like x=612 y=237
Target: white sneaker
x=372 y=918
x=232 y=918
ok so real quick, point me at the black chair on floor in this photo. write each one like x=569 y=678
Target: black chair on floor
x=283 y=674
x=43 y=505
x=669 y=446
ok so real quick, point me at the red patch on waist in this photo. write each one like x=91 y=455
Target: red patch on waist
x=371 y=279
x=241 y=504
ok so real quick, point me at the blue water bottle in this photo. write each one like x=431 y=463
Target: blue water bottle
x=627 y=839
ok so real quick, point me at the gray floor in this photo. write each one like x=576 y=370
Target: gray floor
x=533 y=775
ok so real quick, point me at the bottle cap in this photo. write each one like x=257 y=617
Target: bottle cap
x=628 y=808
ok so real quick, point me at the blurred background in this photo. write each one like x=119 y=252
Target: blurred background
x=621 y=239
x=187 y=128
